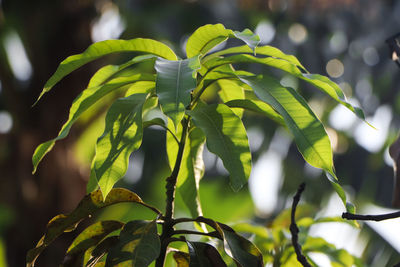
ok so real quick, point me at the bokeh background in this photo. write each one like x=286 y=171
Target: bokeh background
x=344 y=39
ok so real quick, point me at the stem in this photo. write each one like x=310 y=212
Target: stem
x=168 y=225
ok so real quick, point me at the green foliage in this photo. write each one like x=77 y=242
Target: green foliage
x=175 y=87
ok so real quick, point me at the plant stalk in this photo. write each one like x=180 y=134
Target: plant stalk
x=168 y=225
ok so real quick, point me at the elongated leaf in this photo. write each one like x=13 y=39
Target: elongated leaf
x=103 y=48
x=240 y=249
x=208 y=36
x=230 y=90
x=122 y=135
x=139 y=245
x=175 y=81
x=88 y=239
x=258 y=107
x=309 y=133
x=107 y=72
x=81 y=103
x=226 y=137
x=94 y=256
x=204 y=255
x=90 y=204
x=181 y=258
x=321 y=82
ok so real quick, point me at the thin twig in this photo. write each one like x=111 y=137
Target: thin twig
x=377 y=218
x=295 y=230
x=189 y=232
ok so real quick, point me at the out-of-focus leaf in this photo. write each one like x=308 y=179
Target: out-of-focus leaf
x=226 y=137
x=139 y=245
x=204 y=255
x=89 y=238
x=174 y=83
x=87 y=207
x=107 y=72
x=122 y=135
x=181 y=258
x=258 y=230
x=258 y=107
x=103 y=48
x=81 y=103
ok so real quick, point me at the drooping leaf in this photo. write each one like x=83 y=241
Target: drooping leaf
x=142 y=87
x=208 y=36
x=88 y=239
x=81 y=103
x=240 y=249
x=93 y=257
x=108 y=71
x=139 y=245
x=174 y=83
x=321 y=82
x=258 y=107
x=103 y=48
x=191 y=171
x=90 y=204
x=252 y=40
x=309 y=133
x=226 y=137
x=122 y=135
x=204 y=255
x=181 y=258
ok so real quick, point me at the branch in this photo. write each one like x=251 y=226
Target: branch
x=295 y=230
x=377 y=218
x=188 y=232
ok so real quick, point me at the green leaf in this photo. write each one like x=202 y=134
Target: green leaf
x=122 y=135
x=139 y=245
x=226 y=137
x=88 y=239
x=174 y=83
x=90 y=204
x=94 y=256
x=321 y=82
x=103 y=48
x=81 y=103
x=205 y=38
x=309 y=133
x=204 y=255
x=257 y=107
x=230 y=90
x=191 y=171
x=247 y=36
x=240 y=249
x=181 y=258
x=208 y=36
x=107 y=72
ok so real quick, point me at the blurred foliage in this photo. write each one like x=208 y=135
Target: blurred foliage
x=52 y=30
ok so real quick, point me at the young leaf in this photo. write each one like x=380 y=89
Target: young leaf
x=174 y=83
x=139 y=245
x=88 y=239
x=309 y=133
x=103 y=48
x=122 y=135
x=81 y=103
x=231 y=90
x=204 y=255
x=226 y=137
x=90 y=204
